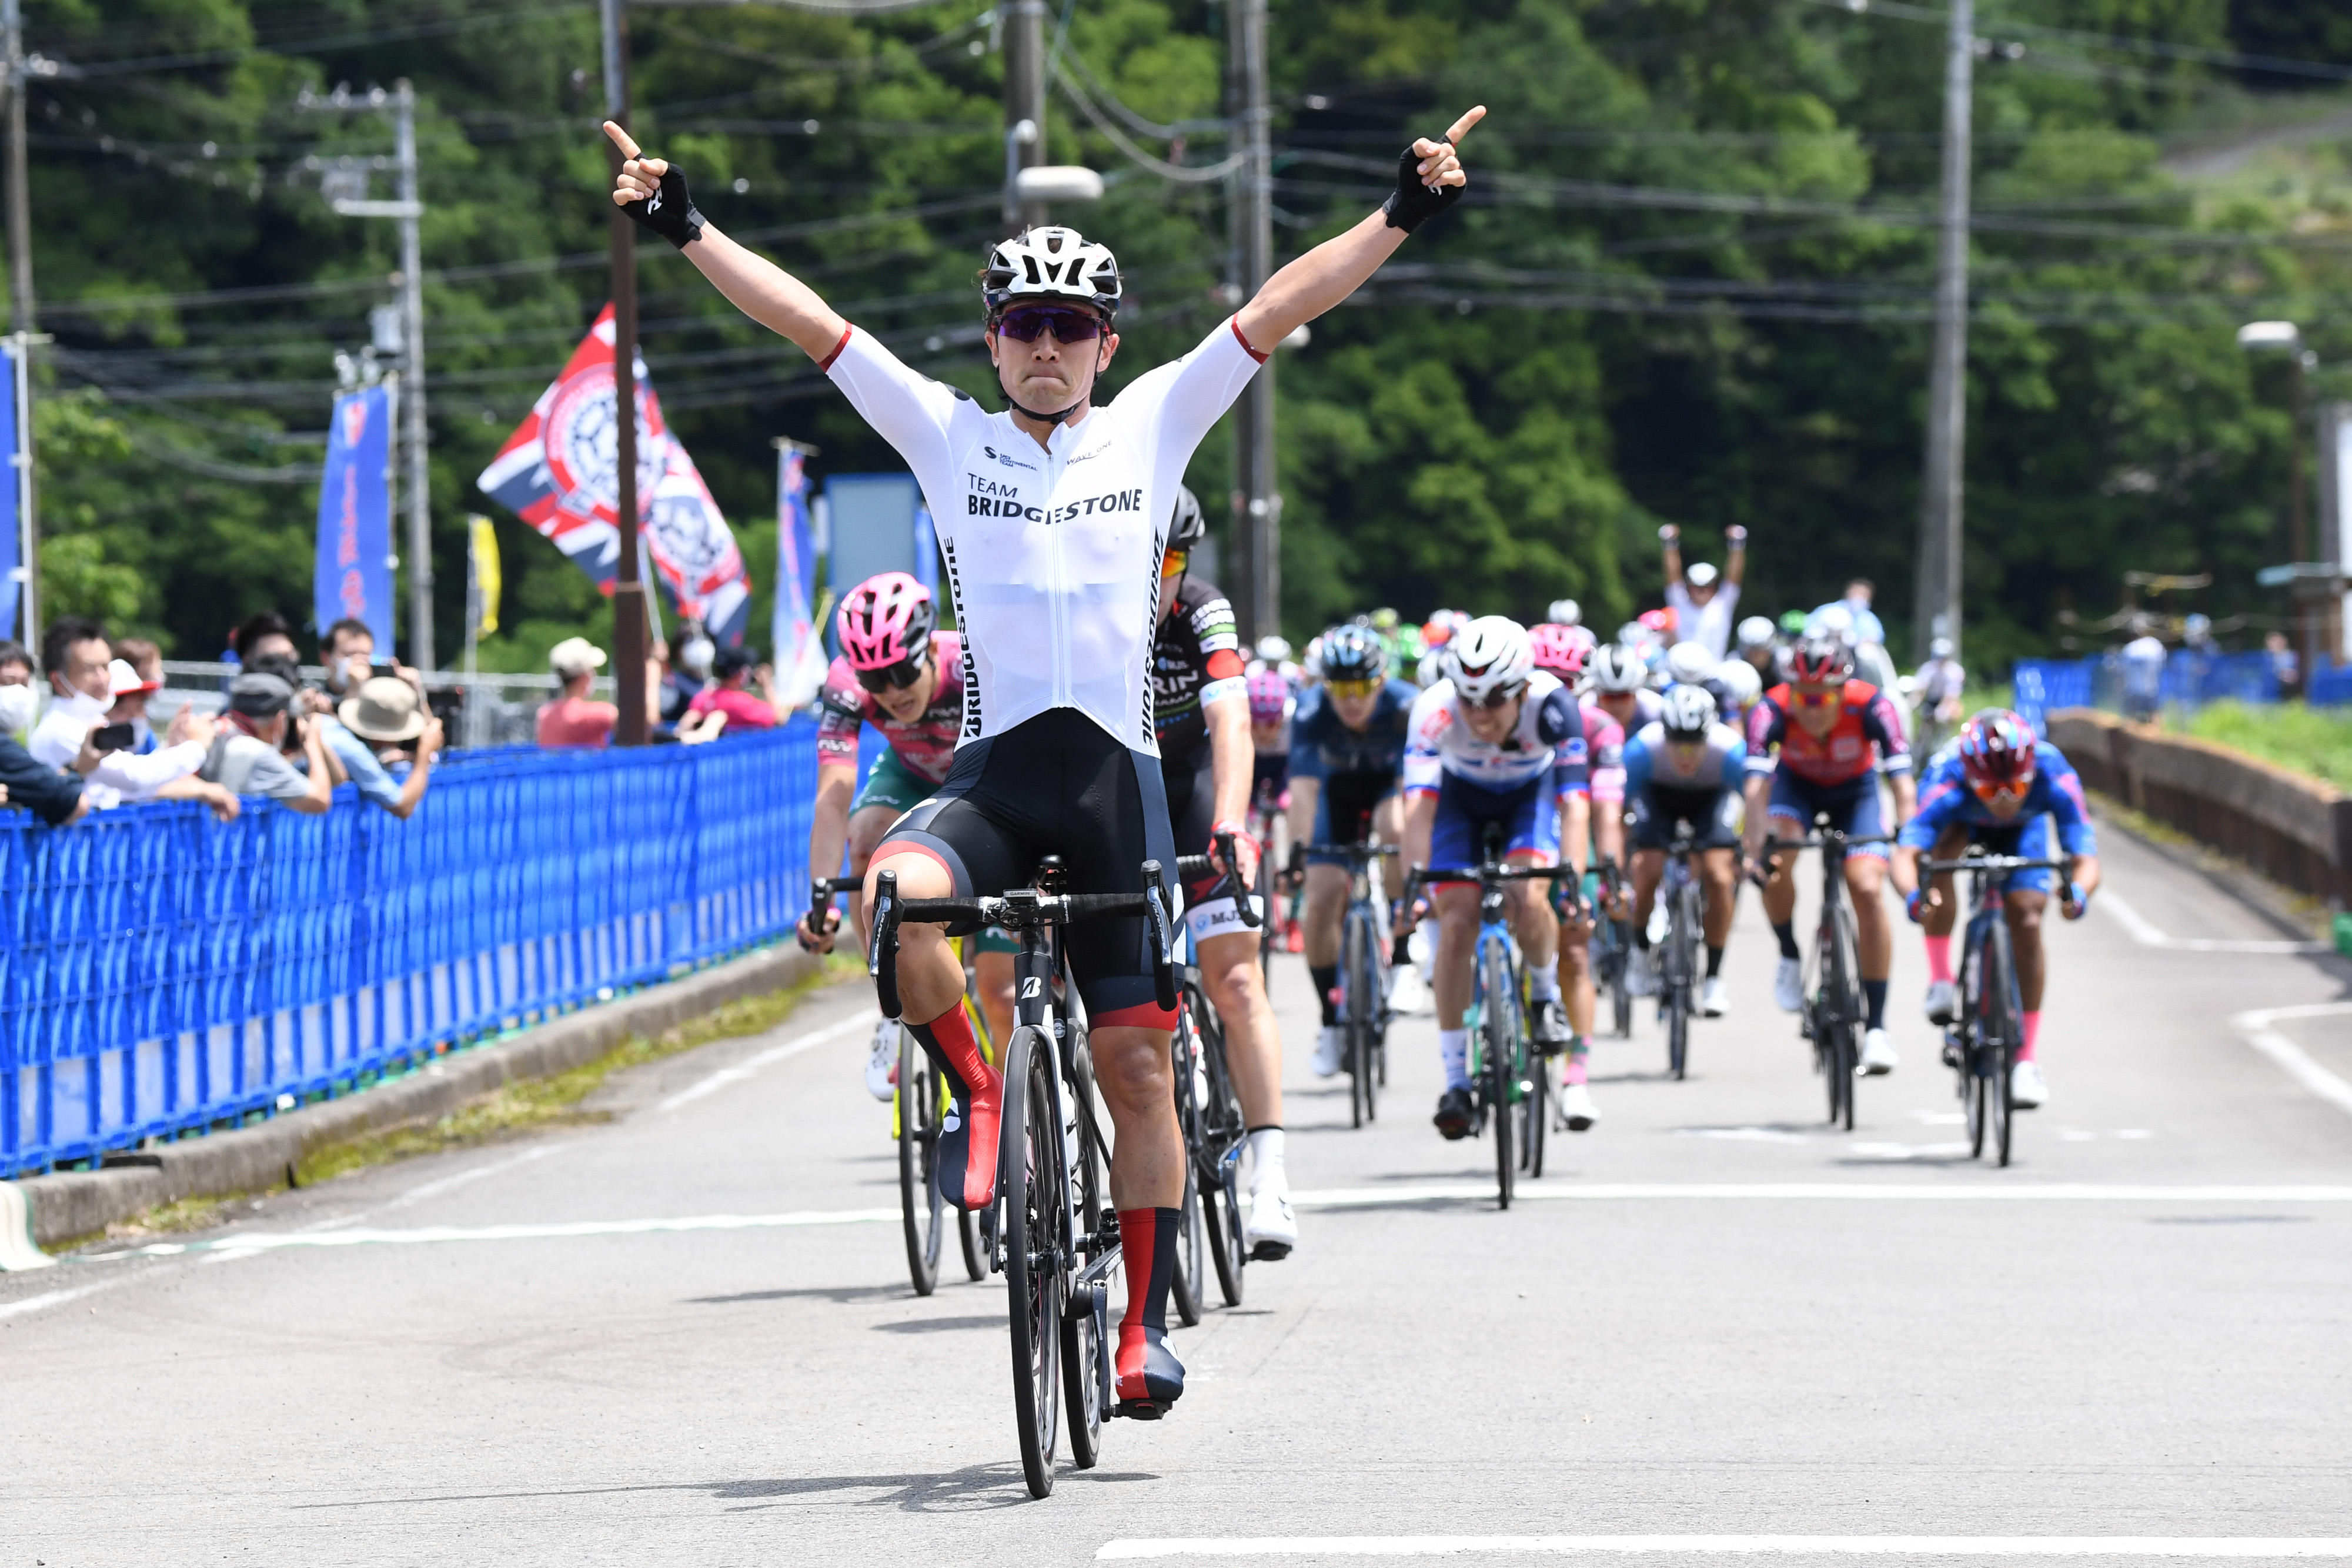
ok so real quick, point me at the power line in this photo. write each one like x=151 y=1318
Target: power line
x=87 y=70
x=2152 y=48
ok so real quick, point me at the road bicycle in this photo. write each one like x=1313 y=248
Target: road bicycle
x=1835 y=1011
x=1363 y=979
x=1210 y=1224
x=1050 y=1231
x=1680 y=895
x=1981 y=1043
x=1508 y=1088
x=918 y=1104
x=1612 y=946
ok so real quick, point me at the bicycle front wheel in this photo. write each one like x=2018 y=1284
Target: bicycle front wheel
x=1036 y=1205
x=2003 y=1032
x=1366 y=1004
x=1499 y=1031
x=922 y=1211
x=1085 y=1380
x=1847 y=975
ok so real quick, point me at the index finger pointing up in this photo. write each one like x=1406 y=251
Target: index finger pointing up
x=629 y=149
x=1460 y=127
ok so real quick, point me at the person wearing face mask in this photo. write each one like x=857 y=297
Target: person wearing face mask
x=57 y=797
x=83 y=677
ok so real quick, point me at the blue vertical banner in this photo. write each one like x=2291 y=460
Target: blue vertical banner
x=352 y=577
x=12 y=519
x=795 y=648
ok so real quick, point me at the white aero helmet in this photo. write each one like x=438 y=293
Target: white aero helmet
x=1490 y=654
x=1565 y=612
x=1689 y=662
x=1689 y=712
x=1739 y=680
x=1050 y=262
x=1756 y=631
x=1617 y=668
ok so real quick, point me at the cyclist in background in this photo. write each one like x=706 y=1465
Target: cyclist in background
x=1685 y=767
x=1702 y=600
x=1831 y=735
x=1347 y=745
x=1201 y=715
x=1499 y=742
x=1761 y=651
x=1738 y=690
x=1620 y=687
x=1565 y=650
x=1999 y=787
x=900 y=674
x=1935 y=690
x=1271 y=704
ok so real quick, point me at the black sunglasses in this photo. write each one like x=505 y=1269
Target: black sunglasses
x=1024 y=323
x=896 y=678
x=1499 y=697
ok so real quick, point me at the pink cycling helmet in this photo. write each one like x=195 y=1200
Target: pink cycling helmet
x=1269 y=693
x=1562 y=650
x=886 y=622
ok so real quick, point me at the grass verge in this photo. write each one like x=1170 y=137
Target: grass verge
x=2314 y=742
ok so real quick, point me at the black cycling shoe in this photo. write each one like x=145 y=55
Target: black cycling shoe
x=1150 y=1378
x=1549 y=1031
x=1455 y=1114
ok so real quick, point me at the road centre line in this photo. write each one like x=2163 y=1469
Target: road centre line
x=1127 y=1549
x=2147 y=934
x=768 y=1058
x=2291 y=1058
x=248 y=1242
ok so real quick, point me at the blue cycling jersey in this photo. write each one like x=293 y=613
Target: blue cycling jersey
x=1321 y=746
x=1946 y=799
x=1650 y=760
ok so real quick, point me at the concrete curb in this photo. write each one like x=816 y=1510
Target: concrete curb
x=254 y=1159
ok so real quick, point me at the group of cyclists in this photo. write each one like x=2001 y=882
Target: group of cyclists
x=1093 y=702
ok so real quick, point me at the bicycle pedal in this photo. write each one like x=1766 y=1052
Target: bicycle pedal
x=1269 y=1252
x=1137 y=1410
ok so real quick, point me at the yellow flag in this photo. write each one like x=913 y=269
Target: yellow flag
x=484 y=545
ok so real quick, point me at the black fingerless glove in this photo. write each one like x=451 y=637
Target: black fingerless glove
x=1413 y=204
x=669 y=211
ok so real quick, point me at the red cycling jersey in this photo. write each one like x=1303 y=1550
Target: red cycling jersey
x=1866 y=718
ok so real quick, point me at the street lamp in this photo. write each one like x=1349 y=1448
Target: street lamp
x=2286 y=337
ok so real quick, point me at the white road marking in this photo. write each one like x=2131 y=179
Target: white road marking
x=1877 y=1150
x=768 y=1058
x=1784 y=1545
x=252 y=1242
x=2146 y=932
x=1746 y=1134
x=2292 y=1058
x=1988 y=1191
x=52 y=1298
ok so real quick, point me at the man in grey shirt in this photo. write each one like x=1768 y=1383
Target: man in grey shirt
x=247 y=757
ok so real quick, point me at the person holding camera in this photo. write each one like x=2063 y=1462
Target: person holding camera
x=247 y=755
x=85 y=680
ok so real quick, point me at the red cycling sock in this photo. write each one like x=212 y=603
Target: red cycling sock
x=967 y=1148
x=1939 y=960
x=2033 y=1033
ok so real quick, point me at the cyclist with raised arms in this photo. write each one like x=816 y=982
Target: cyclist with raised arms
x=1999 y=787
x=1831 y=735
x=1686 y=769
x=1495 y=742
x=900 y=674
x=1704 y=600
x=1565 y=650
x=1052 y=519
x=1201 y=715
x=1346 y=748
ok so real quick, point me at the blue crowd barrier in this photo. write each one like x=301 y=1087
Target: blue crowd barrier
x=2102 y=680
x=162 y=972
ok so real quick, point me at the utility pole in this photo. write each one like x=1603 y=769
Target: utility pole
x=20 y=294
x=1936 y=612
x=1025 y=105
x=1256 y=532
x=629 y=586
x=352 y=176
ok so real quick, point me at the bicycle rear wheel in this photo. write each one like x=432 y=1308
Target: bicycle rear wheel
x=1036 y=1205
x=1084 y=1377
x=922 y=1209
x=1499 y=1025
x=1218 y=1167
x=1191 y=1245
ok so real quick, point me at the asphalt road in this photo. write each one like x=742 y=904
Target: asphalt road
x=1716 y=1319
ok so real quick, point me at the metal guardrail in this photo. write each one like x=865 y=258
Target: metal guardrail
x=161 y=974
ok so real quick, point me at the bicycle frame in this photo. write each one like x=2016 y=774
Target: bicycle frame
x=1836 y=1010
x=1983 y=1065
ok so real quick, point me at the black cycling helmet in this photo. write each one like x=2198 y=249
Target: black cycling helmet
x=1186 y=527
x=1354 y=654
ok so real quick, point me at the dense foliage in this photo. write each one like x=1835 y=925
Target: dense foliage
x=1693 y=284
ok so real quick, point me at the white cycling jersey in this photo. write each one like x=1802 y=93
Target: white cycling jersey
x=1053 y=553
x=1549 y=736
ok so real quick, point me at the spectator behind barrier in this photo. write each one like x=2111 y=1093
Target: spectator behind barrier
x=246 y=759
x=15 y=664
x=725 y=702
x=56 y=798
x=2286 y=668
x=572 y=719
x=261 y=636
x=83 y=677
x=393 y=725
x=145 y=662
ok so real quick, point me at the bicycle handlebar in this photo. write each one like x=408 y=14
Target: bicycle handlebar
x=1024 y=909
x=1990 y=862
x=1827 y=837
x=1354 y=851
x=822 y=890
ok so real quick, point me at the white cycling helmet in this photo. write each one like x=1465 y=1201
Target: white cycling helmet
x=1740 y=682
x=1565 y=612
x=1632 y=634
x=1690 y=661
x=1617 y=668
x=1700 y=575
x=1273 y=649
x=1756 y=631
x=1490 y=654
x=1941 y=648
x=1689 y=712
x=1836 y=621
x=1050 y=262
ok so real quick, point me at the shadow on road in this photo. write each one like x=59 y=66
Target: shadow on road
x=840 y=1295
x=939 y=1325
